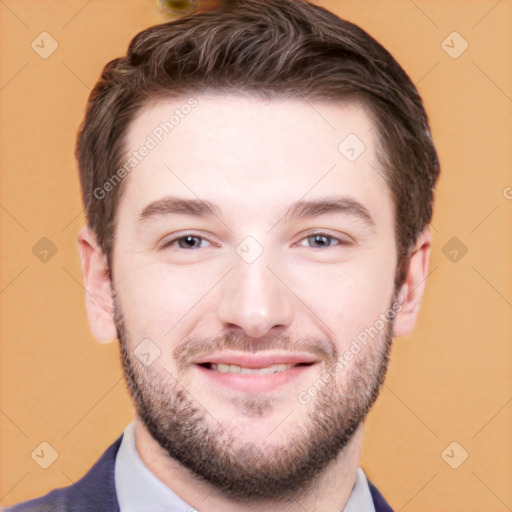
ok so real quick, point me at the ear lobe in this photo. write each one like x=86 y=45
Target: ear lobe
x=412 y=290
x=98 y=290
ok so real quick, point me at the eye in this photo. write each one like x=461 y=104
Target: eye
x=324 y=240
x=188 y=241
x=316 y=240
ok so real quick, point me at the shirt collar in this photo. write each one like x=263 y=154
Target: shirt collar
x=139 y=490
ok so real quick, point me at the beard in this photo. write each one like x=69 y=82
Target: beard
x=244 y=471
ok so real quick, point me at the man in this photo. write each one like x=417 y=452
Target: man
x=258 y=183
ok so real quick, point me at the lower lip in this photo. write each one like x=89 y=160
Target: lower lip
x=254 y=383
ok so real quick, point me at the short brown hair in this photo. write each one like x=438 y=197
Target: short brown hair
x=266 y=48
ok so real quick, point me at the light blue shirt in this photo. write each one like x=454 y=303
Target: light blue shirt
x=138 y=490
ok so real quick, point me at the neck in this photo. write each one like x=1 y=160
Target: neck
x=330 y=492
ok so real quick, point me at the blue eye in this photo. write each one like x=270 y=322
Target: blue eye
x=316 y=241
x=189 y=242
x=324 y=240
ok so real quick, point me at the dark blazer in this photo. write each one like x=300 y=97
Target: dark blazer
x=96 y=492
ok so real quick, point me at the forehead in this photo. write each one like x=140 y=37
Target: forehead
x=225 y=147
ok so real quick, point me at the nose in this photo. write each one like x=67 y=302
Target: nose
x=254 y=299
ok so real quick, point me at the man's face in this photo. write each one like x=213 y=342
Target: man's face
x=244 y=287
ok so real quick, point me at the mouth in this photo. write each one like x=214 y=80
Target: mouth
x=254 y=372
x=245 y=370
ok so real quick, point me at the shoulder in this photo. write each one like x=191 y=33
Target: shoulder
x=381 y=505
x=55 y=501
x=94 y=492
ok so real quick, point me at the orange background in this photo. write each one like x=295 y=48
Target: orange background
x=450 y=380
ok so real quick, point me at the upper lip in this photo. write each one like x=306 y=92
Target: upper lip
x=261 y=360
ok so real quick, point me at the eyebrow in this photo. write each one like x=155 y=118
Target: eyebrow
x=342 y=205
x=177 y=206
x=302 y=209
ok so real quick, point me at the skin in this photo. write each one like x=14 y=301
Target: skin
x=253 y=158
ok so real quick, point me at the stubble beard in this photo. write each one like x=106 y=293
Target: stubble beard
x=250 y=472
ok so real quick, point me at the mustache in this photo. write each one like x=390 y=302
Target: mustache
x=191 y=348
x=321 y=348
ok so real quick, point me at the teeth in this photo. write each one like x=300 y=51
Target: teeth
x=234 y=368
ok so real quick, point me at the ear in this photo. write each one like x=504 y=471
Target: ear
x=411 y=293
x=98 y=291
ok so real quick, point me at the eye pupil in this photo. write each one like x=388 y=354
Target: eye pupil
x=322 y=239
x=190 y=240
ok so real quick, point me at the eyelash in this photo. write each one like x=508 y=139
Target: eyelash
x=309 y=235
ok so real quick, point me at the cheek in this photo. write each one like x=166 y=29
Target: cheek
x=342 y=299
x=346 y=298
x=155 y=297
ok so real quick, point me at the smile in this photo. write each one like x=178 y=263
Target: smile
x=253 y=372
x=234 y=368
